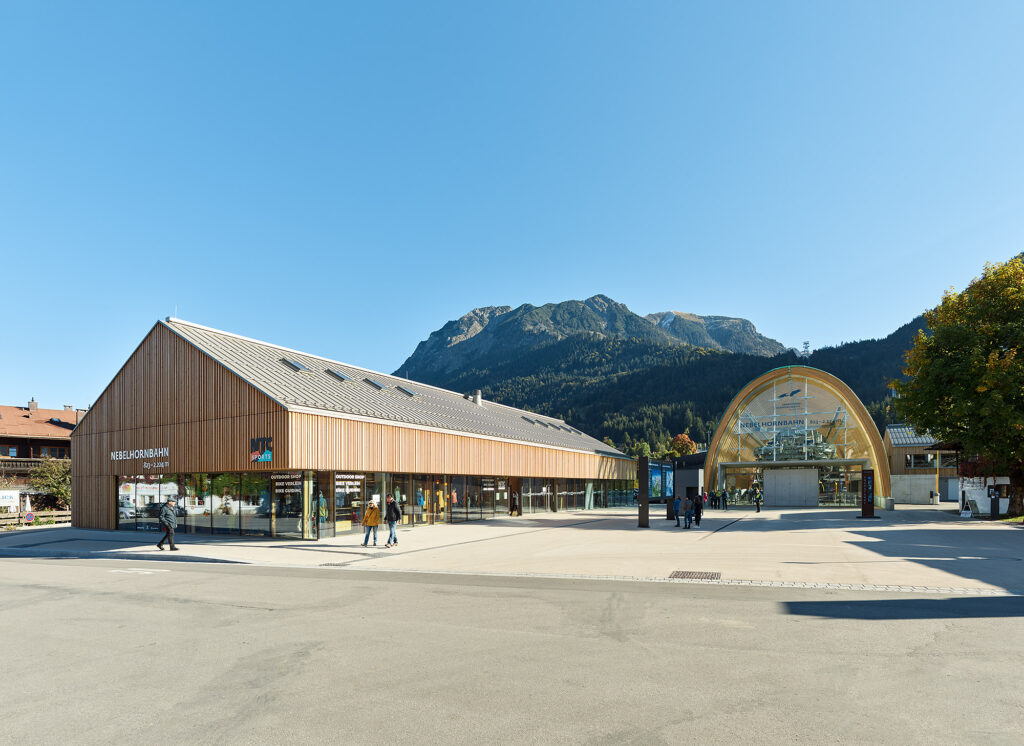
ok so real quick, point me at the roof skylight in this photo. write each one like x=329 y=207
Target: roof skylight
x=376 y=384
x=338 y=374
x=404 y=390
x=294 y=364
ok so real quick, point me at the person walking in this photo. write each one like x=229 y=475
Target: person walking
x=714 y=499
x=371 y=519
x=675 y=509
x=513 y=506
x=757 y=500
x=688 y=513
x=392 y=514
x=725 y=499
x=169 y=520
x=698 y=509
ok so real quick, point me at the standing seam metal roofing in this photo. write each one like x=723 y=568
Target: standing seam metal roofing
x=904 y=436
x=262 y=365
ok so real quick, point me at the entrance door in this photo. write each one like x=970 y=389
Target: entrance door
x=795 y=488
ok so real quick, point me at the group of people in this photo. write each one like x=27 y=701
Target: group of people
x=691 y=508
x=371 y=519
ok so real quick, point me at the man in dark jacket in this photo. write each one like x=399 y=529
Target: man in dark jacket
x=698 y=509
x=392 y=515
x=169 y=520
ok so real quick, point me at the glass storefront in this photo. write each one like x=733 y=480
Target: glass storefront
x=322 y=504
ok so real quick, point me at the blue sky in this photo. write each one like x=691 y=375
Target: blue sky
x=345 y=177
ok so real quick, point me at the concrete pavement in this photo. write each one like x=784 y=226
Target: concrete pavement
x=101 y=652
x=912 y=549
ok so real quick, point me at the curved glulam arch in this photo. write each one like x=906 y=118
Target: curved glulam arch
x=731 y=441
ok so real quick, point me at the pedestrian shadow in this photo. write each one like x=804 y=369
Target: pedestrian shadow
x=998 y=607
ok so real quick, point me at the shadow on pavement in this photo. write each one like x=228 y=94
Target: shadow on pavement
x=911 y=608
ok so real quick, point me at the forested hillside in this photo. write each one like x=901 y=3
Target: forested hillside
x=635 y=391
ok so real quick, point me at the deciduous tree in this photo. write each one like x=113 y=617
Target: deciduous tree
x=966 y=375
x=52 y=477
x=682 y=445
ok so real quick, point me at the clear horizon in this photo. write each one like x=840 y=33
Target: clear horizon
x=345 y=179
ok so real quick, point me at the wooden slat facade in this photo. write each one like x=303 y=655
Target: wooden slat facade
x=325 y=442
x=172 y=395
x=169 y=394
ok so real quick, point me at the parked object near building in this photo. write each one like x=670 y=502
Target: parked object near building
x=256 y=439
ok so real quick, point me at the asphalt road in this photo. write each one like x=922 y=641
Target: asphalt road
x=101 y=652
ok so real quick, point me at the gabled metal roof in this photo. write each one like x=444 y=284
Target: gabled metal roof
x=905 y=436
x=268 y=368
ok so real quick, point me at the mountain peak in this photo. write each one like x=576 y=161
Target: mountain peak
x=483 y=334
x=716 y=333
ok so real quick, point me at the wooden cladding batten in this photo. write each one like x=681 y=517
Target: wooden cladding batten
x=324 y=442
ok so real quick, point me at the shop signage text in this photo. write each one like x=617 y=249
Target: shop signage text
x=140 y=453
x=261 y=449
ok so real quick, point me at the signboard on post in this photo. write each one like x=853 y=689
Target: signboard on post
x=867 y=493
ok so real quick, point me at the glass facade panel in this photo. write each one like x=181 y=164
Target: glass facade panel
x=254 y=504
x=348 y=501
x=457 y=499
x=286 y=492
x=317 y=505
x=793 y=421
x=401 y=488
x=500 y=504
x=437 y=501
x=224 y=502
x=126 y=504
x=147 y=503
x=324 y=503
x=194 y=490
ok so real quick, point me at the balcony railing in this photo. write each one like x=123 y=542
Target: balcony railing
x=16 y=465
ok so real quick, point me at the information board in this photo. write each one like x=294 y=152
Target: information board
x=867 y=493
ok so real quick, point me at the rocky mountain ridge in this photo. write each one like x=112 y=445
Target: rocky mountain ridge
x=476 y=337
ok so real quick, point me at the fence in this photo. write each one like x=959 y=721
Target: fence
x=45 y=517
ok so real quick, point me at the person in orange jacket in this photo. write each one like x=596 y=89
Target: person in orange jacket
x=371 y=519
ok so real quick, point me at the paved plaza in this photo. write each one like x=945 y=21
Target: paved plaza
x=490 y=633
x=910 y=549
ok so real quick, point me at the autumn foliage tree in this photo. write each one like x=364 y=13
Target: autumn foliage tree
x=682 y=445
x=965 y=376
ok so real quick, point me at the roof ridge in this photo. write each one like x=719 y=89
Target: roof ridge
x=172 y=320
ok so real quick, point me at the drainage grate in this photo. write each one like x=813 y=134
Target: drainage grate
x=695 y=575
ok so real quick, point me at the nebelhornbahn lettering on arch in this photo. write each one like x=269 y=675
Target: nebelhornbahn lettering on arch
x=139 y=453
x=261 y=449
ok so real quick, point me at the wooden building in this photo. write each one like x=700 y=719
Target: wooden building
x=28 y=435
x=919 y=472
x=257 y=439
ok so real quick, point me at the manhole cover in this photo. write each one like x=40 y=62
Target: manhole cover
x=695 y=575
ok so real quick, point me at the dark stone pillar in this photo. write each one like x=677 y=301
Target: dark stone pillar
x=644 y=495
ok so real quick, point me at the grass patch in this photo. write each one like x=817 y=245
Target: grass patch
x=1016 y=519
